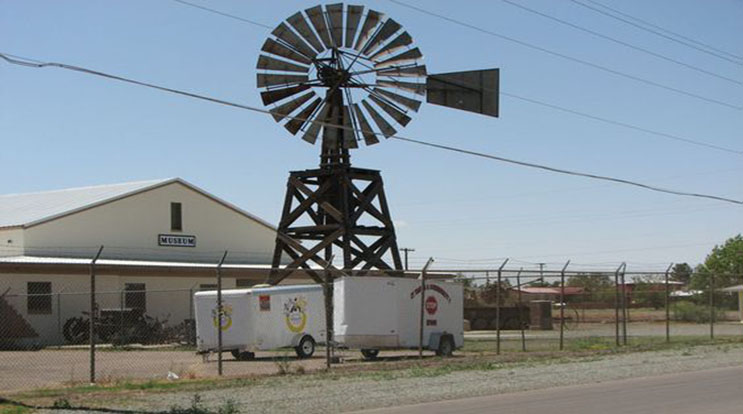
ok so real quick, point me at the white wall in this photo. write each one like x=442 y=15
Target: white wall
x=167 y=298
x=11 y=242
x=129 y=228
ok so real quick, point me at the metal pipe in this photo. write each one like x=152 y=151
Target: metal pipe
x=220 y=313
x=562 y=305
x=616 y=304
x=93 y=310
x=497 y=308
x=667 y=305
x=712 y=306
x=423 y=306
x=328 y=299
x=521 y=320
x=625 y=313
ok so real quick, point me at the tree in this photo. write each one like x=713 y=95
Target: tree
x=681 y=272
x=597 y=286
x=724 y=262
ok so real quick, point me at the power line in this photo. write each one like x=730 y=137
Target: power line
x=231 y=16
x=35 y=64
x=623 y=43
x=571 y=58
x=657 y=33
x=537 y=102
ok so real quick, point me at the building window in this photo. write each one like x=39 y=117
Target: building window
x=135 y=296
x=176 y=217
x=208 y=286
x=39 y=298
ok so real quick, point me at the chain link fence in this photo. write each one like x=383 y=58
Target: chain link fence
x=143 y=334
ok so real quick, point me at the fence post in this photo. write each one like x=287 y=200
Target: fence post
x=616 y=304
x=497 y=308
x=423 y=306
x=59 y=317
x=712 y=306
x=93 y=310
x=220 y=313
x=667 y=304
x=521 y=320
x=562 y=305
x=625 y=313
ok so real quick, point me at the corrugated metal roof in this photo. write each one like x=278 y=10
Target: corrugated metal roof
x=27 y=209
x=24 y=210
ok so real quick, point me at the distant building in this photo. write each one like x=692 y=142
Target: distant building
x=162 y=240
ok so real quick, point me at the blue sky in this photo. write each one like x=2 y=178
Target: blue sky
x=61 y=129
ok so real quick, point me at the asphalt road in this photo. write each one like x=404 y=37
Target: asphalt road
x=716 y=391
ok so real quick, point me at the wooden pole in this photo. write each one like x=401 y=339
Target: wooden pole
x=562 y=306
x=423 y=306
x=93 y=311
x=220 y=313
x=497 y=308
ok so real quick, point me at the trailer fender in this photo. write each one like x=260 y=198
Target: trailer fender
x=435 y=339
x=297 y=337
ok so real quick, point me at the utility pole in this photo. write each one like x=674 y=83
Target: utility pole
x=405 y=250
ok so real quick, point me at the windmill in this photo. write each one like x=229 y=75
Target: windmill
x=344 y=75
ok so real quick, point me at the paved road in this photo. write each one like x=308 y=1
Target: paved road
x=716 y=391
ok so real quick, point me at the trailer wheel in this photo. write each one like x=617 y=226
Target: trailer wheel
x=243 y=356
x=370 y=354
x=446 y=346
x=306 y=347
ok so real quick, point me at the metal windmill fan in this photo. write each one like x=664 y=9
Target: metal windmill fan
x=349 y=73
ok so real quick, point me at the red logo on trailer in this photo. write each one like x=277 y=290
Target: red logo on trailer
x=431 y=305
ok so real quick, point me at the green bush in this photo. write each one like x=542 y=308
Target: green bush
x=685 y=311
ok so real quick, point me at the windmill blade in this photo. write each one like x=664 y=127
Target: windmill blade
x=370 y=138
x=317 y=18
x=302 y=117
x=372 y=19
x=396 y=44
x=384 y=126
x=353 y=17
x=349 y=135
x=385 y=32
x=473 y=91
x=270 y=63
x=275 y=48
x=407 y=56
x=276 y=95
x=395 y=113
x=417 y=88
x=281 y=111
x=314 y=130
x=335 y=18
x=298 y=22
x=402 y=100
x=283 y=32
x=270 y=79
x=409 y=71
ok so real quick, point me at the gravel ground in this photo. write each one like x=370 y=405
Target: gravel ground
x=310 y=394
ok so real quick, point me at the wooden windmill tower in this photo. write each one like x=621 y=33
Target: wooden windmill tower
x=324 y=73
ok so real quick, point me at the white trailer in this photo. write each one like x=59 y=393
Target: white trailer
x=261 y=318
x=373 y=313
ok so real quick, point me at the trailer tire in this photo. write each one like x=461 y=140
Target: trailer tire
x=370 y=354
x=243 y=356
x=306 y=347
x=446 y=346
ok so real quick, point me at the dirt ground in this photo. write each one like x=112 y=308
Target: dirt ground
x=23 y=370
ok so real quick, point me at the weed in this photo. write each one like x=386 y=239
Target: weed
x=61 y=403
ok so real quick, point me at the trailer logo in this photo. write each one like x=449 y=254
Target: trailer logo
x=295 y=313
x=225 y=321
x=431 y=305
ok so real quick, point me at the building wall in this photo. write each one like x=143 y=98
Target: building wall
x=167 y=298
x=11 y=242
x=129 y=228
